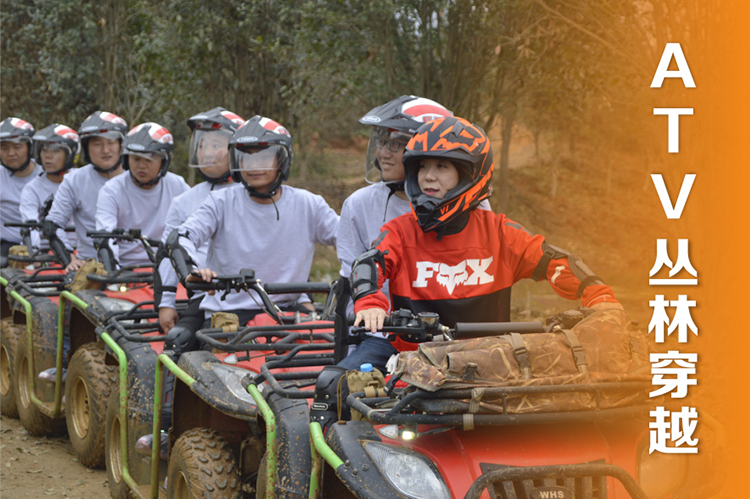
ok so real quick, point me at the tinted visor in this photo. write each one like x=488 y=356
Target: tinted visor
x=209 y=147
x=246 y=158
x=53 y=156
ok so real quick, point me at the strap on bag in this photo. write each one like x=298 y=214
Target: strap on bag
x=578 y=352
x=520 y=352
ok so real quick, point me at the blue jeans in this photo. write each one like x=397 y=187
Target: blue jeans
x=375 y=351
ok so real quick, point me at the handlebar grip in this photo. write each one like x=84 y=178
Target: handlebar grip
x=276 y=288
x=58 y=248
x=201 y=285
x=479 y=329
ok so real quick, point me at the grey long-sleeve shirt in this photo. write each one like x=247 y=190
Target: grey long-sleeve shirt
x=123 y=204
x=246 y=234
x=180 y=210
x=76 y=200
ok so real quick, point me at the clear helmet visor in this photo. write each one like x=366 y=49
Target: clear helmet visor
x=151 y=156
x=209 y=147
x=380 y=140
x=53 y=156
x=250 y=158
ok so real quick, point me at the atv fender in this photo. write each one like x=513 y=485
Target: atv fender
x=360 y=475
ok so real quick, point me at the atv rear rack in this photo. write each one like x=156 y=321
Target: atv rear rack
x=447 y=407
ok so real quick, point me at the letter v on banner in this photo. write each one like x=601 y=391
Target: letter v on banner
x=673 y=212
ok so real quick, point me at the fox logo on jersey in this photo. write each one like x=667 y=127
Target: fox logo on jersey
x=470 y=272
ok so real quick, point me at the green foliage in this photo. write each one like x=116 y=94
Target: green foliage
x=317 y=66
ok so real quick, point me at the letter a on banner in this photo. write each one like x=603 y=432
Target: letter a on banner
x=673 y=50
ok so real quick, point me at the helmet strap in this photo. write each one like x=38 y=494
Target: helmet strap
x=108 y=170
x=216 y=180
x=150 y=183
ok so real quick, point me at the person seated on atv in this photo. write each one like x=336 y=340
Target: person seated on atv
x=140 y=200
x=260 y=224
x=101 y=136
x=55 y=148
x=209 y=152
x=16 y=148
x=450 y=258
x=367 y=209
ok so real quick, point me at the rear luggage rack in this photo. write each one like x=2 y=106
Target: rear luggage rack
x=447 y=407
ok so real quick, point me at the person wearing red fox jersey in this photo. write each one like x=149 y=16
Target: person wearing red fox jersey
x=450 y=258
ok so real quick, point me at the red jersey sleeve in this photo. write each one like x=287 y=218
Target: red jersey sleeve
x=566 y=284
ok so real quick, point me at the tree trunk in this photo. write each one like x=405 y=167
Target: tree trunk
x=507 y=131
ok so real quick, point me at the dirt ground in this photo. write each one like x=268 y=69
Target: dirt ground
x=31 y=467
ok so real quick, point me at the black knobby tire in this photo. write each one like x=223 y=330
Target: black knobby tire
x=9 y=334
x=201 y=465
x=32 y=418
x=118 y=489
x=87 y=389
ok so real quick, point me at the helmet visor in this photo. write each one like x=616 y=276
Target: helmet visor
x=113 y=135
x=151 y=156
x=249 y=158
x=209 y=147
x=53 y=156
x=380 y=140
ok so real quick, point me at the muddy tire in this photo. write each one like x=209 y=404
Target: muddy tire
x=32 y=418
x=118 y=489
x=87 y=389
x=202 y=466
x=9 y=334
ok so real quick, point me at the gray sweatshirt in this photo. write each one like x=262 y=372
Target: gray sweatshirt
x=76 y=200
x=10 y=199
x=33 y=197
x=245 y=234
x=123 y=204
x=180 y=210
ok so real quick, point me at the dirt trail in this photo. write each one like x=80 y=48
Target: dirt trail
x=32 y=467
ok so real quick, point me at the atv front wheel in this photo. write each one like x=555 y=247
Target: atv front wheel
x=8 y=340
x=118 y=489
x=201 y=465
x=87 y=390
x=31 y=415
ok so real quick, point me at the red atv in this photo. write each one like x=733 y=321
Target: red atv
x=250 y=441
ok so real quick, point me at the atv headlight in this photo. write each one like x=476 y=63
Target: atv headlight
x=232 y=379
x=411 y=473
x=115 y=304
x=661 y=474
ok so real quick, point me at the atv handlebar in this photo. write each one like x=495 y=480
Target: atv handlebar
x=273 y=288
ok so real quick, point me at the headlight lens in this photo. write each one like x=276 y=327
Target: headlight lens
x=661 y=474
x=409 y=472
x=114 y=304
x=232 y=379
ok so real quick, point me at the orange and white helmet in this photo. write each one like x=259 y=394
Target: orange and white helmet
x=466 y=146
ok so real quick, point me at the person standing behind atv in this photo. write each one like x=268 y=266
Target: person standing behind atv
x=141 y=199
x=450 y=258
x=16 y=147
x=55 y=148
x=101 y=136
x=367 y=209
x=259 y=225
x=209 y=152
